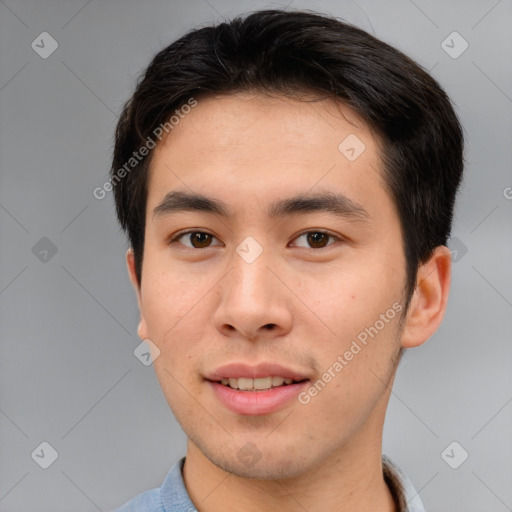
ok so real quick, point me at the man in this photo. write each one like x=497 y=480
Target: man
x=287 y=183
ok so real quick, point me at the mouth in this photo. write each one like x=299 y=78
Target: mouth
x=260 y=389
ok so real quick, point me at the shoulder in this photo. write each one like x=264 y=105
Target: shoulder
x=171 y=496
x=148 y=501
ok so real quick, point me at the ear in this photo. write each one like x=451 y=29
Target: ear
x=142 y=330
x=429 y=300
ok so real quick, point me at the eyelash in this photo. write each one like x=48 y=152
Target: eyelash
x=175 y=239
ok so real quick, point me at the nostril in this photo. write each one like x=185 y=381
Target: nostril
x=269 y=327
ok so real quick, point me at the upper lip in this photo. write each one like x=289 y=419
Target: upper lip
x=232 y=370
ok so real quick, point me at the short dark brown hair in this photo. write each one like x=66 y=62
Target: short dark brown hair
x=289 y=53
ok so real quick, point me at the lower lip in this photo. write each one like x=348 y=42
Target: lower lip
x=254 y=403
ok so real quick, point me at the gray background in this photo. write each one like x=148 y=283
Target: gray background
x=68 y=375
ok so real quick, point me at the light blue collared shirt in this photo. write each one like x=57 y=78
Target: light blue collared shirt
x=172 y=496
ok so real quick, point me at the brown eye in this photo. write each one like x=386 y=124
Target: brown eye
x=200 y=240
x=195 y=240
x=317 y=239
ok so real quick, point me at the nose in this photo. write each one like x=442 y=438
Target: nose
x=254 y=303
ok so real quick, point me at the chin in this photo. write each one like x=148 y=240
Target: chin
x=249 y=461
x=262 y=470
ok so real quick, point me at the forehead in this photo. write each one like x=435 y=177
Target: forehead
x=260 y=144
x=228 y=121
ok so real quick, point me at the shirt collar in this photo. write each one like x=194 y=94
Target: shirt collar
x=406 y=497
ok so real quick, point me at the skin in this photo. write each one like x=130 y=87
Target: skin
x=203 y=307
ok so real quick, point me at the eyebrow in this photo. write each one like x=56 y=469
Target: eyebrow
x=330 y=202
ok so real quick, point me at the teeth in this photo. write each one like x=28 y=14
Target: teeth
x=277 y=381
x=244 y=384
x=261 y=383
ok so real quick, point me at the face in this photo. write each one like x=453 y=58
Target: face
x=272 y=252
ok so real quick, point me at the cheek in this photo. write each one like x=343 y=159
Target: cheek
x=356 y=369
x=170 y=294
x=361 y=309
x=350 y=298
x=174 y=314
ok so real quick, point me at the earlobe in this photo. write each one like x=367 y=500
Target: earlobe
x=428 y=303
x=142 y=331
